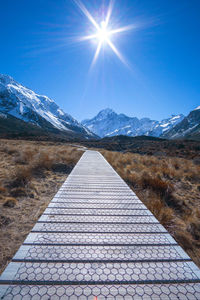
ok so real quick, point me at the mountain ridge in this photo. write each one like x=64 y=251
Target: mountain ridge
x=39 y=110
x=108 y=123
x=188 y=128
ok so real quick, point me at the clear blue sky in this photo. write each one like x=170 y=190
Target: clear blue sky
x=37 y=49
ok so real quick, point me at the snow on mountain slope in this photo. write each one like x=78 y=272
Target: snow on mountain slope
x=108 y=123
x=165 y=125
x=22 y=103
x=189 y=127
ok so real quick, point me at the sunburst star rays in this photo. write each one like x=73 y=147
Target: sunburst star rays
x=103 y=31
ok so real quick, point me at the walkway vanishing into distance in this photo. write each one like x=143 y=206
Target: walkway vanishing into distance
x=97 y=239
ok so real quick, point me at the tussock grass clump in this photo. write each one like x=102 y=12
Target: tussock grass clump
x=24 y=157
x=20 y=176
x=2 y=190
x=10 y=202
x=10 y=149
x=42 y=161
x=158 y=185
x=169 y=187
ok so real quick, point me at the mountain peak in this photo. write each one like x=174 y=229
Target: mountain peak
x=106 y=111
x=197 y=108
x=104 y=114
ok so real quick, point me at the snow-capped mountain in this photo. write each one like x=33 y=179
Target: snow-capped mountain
x=188 y=128
x=24 y=104
x=108 y=123
x=165 y=125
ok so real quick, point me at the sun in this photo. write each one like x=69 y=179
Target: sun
x=103 y=31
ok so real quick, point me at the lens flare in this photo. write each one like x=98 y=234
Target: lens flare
x=103 y=31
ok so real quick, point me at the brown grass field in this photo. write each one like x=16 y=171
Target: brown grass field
x=30 y=175
x=31 y=172
x=170 y=188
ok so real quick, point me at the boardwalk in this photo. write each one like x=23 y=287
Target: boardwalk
x=96 y=238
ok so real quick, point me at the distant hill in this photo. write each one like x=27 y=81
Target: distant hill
x=147 y=145
x=128 y=139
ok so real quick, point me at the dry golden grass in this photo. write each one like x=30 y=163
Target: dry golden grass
x=30 y=175
x=169 y=187
x=10 y=202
